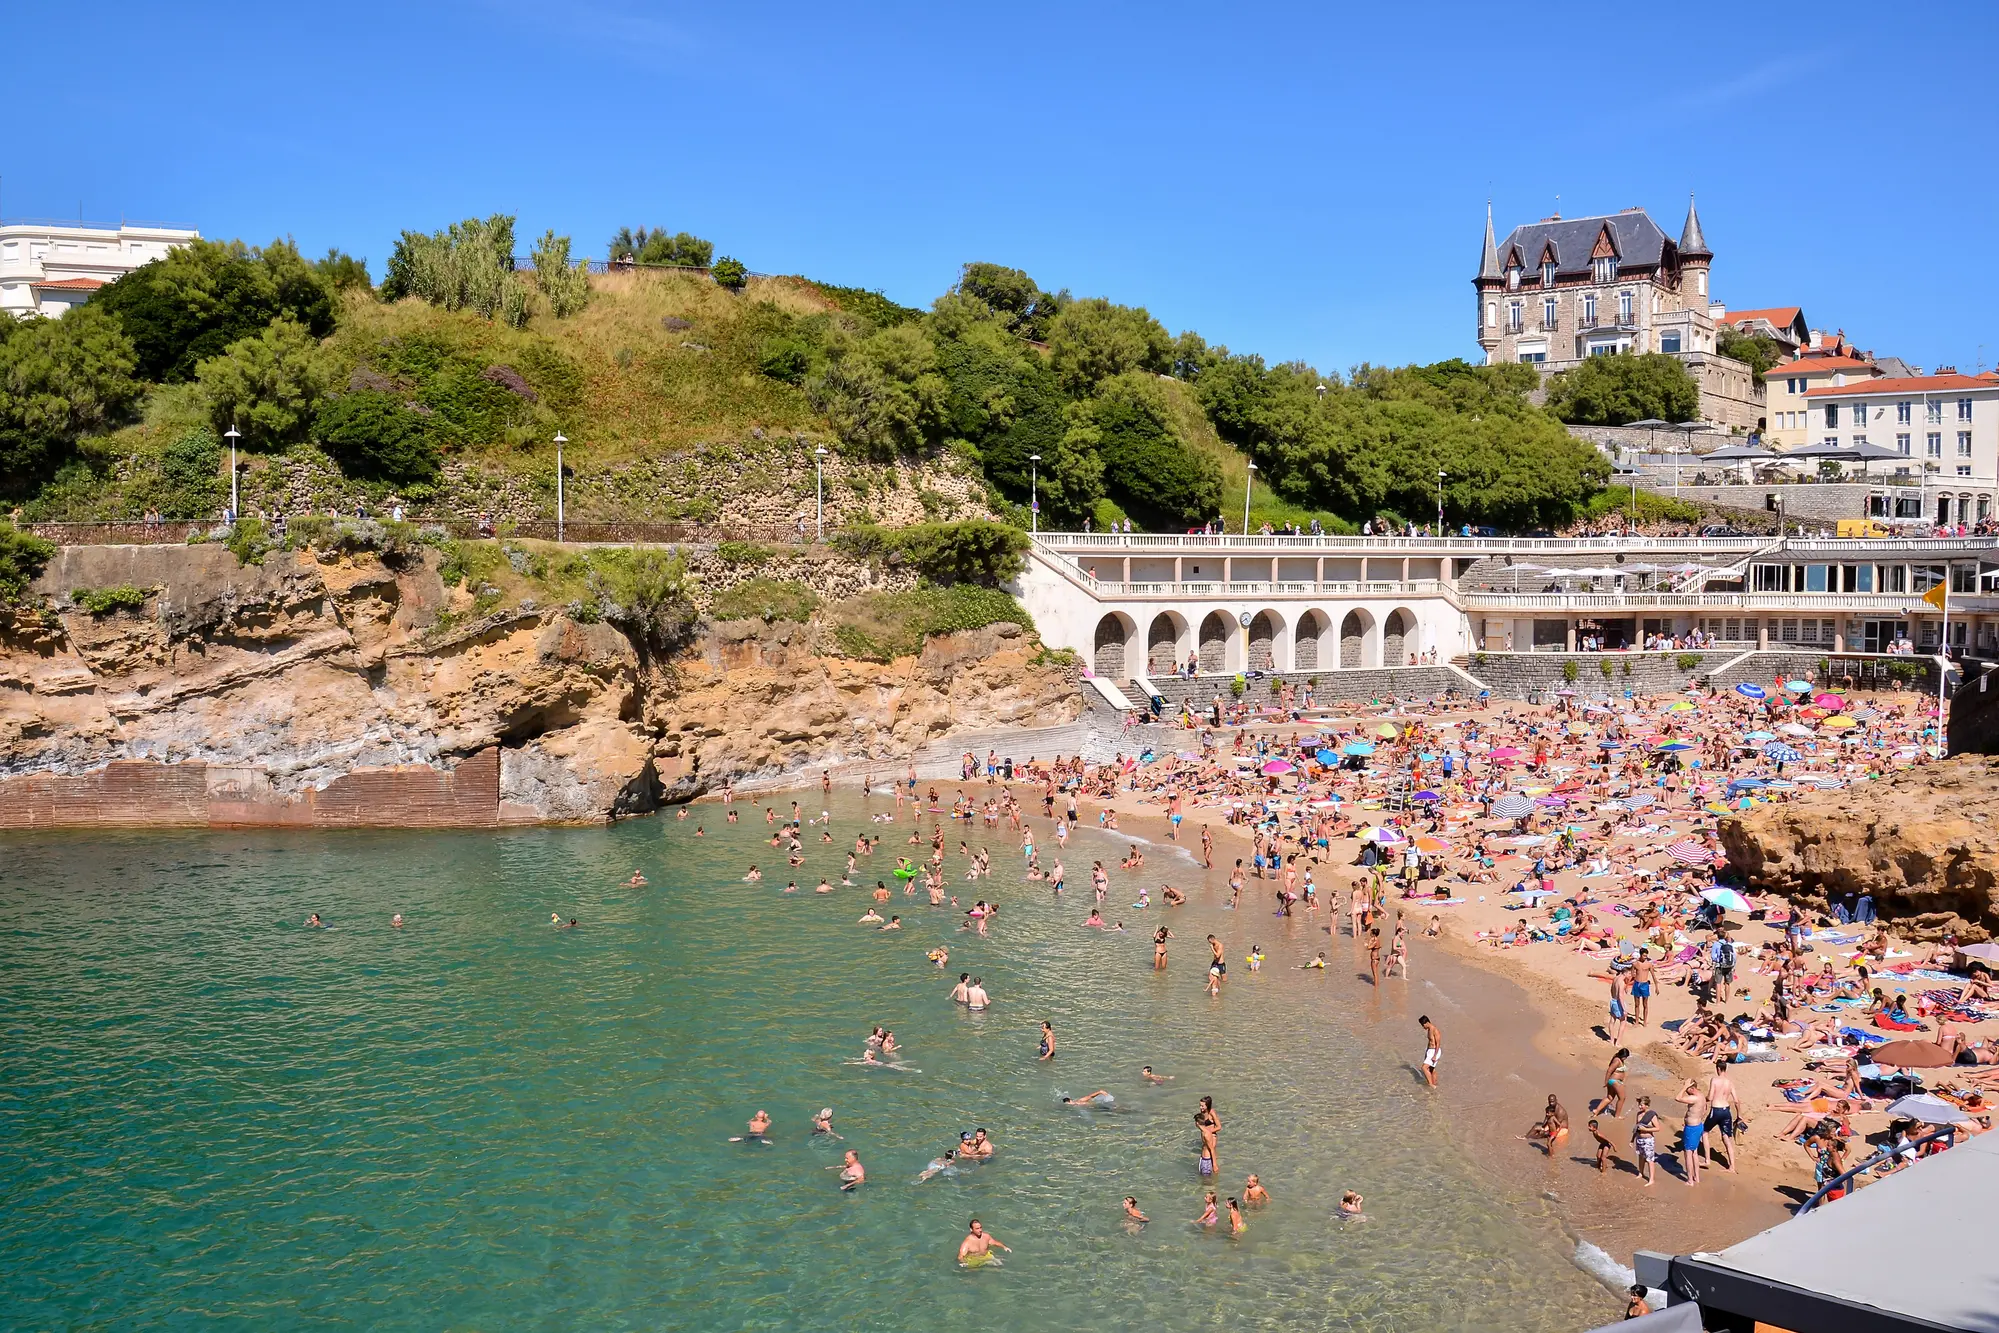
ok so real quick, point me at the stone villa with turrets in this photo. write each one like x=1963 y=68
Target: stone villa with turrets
x=1562 y=289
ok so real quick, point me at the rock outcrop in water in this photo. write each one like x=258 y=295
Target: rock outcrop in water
x=333 y=689
x=1924 y=843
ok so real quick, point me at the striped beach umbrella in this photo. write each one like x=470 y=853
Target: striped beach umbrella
x=1512 y=806
x=1779 y=753
x=1749 y=691
x=1689 y=853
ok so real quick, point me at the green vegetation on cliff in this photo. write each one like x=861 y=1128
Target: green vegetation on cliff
x=700 y=381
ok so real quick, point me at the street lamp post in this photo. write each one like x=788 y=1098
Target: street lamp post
x=232 y=436
x=819 y=479
x=559 y=442
x=1248 y=480
x=1441 y=474
x=1651 y=425
x=1034 y=493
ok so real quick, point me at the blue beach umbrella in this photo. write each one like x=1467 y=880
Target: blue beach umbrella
x=1675 y=747
x=1760 y=736
x=1327 y=757
x=1781 y=754
x=1746 y=784
x=1358 y=748
x=1749 y=691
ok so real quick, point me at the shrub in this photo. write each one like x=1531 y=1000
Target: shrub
x=266 y=385
x=640 y=246
x=643 y=592
x=1237 y=685
x=766 y=599
x=1687 y=661
x=730 y=273
x=248 y=541
x=742 y=553
x=375 y=436
x=103 y=601
x=881 y=627
x=1570 y=671
x=565 y=286
x=976 y=550
x=190 y=484
x=23 y=556
x=1605 y=664
x=1626 y=664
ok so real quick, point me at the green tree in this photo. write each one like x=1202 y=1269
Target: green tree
x=730 y=273
x=639 y=246
x=341 y=270
x=1092 y=340
x=190 y=483
x=1002 y=400
x=1757 y=351
x=882 y=393
x=60 y=379
x=266 y=385
x=1149 y=467
x=377 y=437
x=1020 y=306
x=1613 y=390
x=204 y=296
x=565 y=286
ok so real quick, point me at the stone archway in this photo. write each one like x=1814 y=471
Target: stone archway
x=1162 y=644
x=1112 y=655
x=1214 y=649
x=1396 y=634
x=1263 y=635
x=1305 y=640
x=1354 y=629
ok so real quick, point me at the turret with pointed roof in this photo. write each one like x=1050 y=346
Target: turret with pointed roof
x=1692 y=243
x=1488 y=261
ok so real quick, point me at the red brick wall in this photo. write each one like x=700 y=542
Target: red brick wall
x=141 y=793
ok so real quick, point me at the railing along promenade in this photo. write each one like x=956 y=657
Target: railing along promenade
x=1303 y=544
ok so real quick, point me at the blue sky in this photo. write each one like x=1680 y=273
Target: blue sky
x=1302 y=181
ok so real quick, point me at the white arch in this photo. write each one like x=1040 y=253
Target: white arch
x=1266 y=642
x=1309 y=650
x=1360 y=644
x=1217 y=643
x=1168 y=640
x=1111 y=651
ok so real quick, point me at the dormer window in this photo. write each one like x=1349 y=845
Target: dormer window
x=1605 y=268
x=1513 y=278
x=1547 y=273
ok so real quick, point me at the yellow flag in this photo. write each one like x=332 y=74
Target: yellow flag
x=1935 y=596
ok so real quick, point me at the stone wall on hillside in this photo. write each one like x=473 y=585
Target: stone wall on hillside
x=1347 y=686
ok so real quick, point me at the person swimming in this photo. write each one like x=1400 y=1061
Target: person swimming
x=1350 y=1207
x=1099 y=1098
x=823 y=1123
x=947 y=1165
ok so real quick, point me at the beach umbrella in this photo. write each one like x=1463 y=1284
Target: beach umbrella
x=1760 y=736
x=1680 y=706
x=1728 y=900
x=1357 y=748
x=1578 y=729
x=1839 y=724
x=1675 y=747
x=1798 y=686
x=1512 y=806
x=1746 y=784
x=1504 y=752
x=1638 y=800
x=1693 y=854
x=1608 y=745
x=1779 y=753
x=1276 y=768
x=1930 y=1110
x=1426 y=797
x=1551 y=802
x=1830 y=701
x=1565 y=694
x=1715 y=808
x=1327 y=757
x=1912 y=1055
x=1387 y=731
x=1795 y=729
x=1748 y=691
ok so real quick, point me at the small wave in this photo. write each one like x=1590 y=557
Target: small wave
x=1596 y=1261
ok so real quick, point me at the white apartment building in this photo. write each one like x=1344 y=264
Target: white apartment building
x=1946 y=426
x=46 y=268
x=1786 y=386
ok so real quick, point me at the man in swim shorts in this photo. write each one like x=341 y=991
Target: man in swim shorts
x=1097 y=1098
x=978 y=1245
x=1434 y=1051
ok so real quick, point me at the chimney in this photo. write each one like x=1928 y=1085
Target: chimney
x=1946 y=370
x=1718 y=309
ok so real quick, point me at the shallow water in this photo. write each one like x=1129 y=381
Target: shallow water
x=219 y=1116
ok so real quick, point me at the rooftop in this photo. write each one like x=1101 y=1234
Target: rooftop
x=1914 y=384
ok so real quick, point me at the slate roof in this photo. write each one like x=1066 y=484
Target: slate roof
x=1639 y=242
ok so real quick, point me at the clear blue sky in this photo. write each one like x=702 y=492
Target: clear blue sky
x=1305 y=181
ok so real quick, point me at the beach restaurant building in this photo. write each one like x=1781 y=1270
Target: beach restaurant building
x=1139 y=605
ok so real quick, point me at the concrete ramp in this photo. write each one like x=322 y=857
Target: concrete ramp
x=1112 y=694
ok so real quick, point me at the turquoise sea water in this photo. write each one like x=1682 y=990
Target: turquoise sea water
x=217 y=1117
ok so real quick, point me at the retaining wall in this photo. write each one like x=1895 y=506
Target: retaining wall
x=143 y=793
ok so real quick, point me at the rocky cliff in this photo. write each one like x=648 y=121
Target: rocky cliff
x=1924 y=843
x=335 y=688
